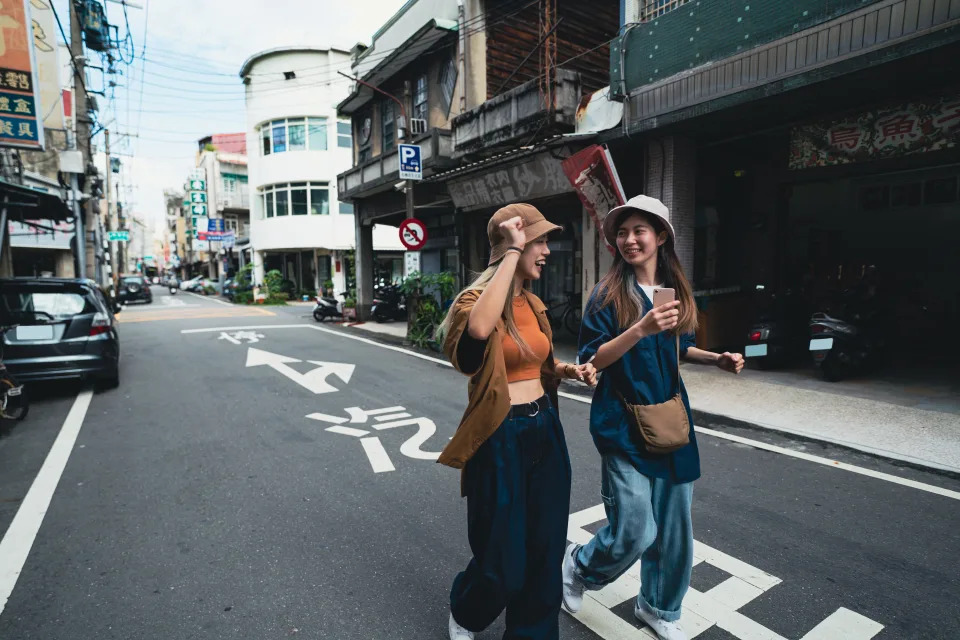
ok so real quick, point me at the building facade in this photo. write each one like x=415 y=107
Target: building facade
x=297 y=145
x=800 y=149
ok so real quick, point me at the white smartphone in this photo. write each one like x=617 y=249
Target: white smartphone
x=663 y=296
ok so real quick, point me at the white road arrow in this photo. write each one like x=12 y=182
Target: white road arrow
x=315 y=380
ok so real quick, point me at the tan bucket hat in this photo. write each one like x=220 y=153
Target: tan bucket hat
x=636 y=203
x=534 y=226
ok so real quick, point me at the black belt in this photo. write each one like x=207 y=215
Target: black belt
x=530 y=409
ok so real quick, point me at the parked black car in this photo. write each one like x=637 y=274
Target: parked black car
x=134 y=289
x=65 y=329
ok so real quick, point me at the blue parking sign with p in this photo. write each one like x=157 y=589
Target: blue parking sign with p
x=410 y=166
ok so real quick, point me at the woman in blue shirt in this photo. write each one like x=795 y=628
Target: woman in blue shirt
x=646 y=495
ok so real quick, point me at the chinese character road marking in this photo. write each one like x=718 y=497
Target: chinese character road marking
x=238 y=336
x=389 y=418
x=718 y=606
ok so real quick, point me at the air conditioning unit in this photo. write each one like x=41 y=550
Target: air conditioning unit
x=418 y=126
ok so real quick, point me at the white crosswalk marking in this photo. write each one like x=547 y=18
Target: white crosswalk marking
x=718 y=606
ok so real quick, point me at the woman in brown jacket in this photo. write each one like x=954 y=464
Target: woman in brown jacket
x=510 y=444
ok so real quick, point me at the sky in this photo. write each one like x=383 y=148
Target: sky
x=182 y=82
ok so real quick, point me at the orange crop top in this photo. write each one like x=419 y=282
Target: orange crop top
x=518 y=367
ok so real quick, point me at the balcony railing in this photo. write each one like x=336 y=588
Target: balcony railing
x=382 y=172
x=518 y=113
x=239 y=199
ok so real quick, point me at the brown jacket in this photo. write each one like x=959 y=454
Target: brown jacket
x=489 y=397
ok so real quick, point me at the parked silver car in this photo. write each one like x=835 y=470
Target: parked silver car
x=66 y=328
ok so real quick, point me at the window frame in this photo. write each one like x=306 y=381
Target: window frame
x=421 y=99
x=388 y=116
x=272 y=131
x=348 y=125
x=268 y=198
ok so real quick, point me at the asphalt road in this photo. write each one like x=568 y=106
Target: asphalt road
x=207 y=498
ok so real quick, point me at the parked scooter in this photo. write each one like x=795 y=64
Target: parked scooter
x=327 y=307
x=780 y=330
x=851 y=340
x=389 y=304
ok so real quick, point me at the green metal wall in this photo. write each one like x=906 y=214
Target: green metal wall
x=702 y=31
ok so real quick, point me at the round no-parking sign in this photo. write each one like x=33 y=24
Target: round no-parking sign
x=413 y=234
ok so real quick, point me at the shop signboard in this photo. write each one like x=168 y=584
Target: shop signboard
x=536 y=177
x=20 y=123
x=886 y=132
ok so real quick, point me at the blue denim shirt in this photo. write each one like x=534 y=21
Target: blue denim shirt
x=646 y=374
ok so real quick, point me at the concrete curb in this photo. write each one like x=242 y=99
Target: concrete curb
x=714 y=419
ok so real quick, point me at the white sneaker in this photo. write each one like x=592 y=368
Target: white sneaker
x=457 y=632
x=572 y=587
x=664 y=630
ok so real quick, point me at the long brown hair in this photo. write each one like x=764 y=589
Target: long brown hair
x=618 y=286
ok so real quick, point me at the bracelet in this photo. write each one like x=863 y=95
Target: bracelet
x=517 y=249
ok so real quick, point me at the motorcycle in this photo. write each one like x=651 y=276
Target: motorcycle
x=390 y=304
x=852 y=340
x=327 y=307
x=780 y=329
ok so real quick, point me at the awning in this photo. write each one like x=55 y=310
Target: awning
x=411 y=49
x=23 y=203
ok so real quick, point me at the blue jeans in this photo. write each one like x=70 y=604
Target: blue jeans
x=647 y=518
x=518 y=504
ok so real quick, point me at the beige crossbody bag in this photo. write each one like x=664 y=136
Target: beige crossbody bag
x=664 y=427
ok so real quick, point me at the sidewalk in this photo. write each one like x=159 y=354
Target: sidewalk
x=891 y=416
x=907 y=424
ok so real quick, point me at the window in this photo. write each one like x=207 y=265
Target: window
x=298 y=198
x=650 y=9
x=448 y=83
x=279 y=136
x=265 y=136
x=420 y=98
x=297 y=133
x=387 y=124
x=365 y=154
x=294 y=134
x=21 y=305
x=344 y=137
x=941 y=190
x=320 y=200
x=282 y=196
x=346 y=207
x=263 y=205
x=230 y=223
x=229 y=185
x=318 y=134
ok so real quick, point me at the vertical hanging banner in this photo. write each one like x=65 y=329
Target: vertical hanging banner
x=592 y=173
x=20 y=124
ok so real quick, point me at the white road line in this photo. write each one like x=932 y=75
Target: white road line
x=17 y=542
x=246 y=327
x=217 y=300
x=913 y=484
x=348 y=431
x=379 y=459
x=756 y=444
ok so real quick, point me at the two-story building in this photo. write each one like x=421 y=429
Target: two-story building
x=490 y=91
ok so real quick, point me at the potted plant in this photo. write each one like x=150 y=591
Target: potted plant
x=328 y=287
x=350 y=309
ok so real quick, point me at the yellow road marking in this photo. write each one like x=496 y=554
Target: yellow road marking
x=171 y=314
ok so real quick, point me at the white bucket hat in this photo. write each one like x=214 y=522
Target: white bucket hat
x=636 y=203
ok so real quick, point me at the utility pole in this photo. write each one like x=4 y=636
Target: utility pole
x=86 y=250
x=111 y=219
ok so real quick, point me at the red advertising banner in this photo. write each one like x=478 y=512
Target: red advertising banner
x=906 y=129
x=594 y=177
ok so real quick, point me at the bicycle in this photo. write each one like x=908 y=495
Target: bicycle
x=566 y=314
x=14 y=403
